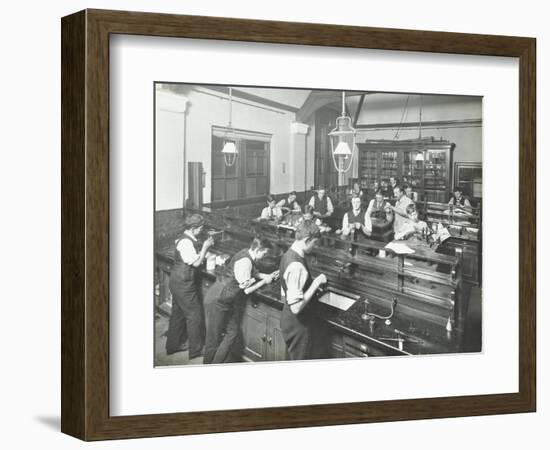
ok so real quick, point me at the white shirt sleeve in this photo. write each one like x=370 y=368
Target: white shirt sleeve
x=187 y=252
x=312 y=201
x=345 y=225
x=330 y=208
x=265 y=213
x=295 y=278
x=369 y=208
x=368 y=223
x=243 y=273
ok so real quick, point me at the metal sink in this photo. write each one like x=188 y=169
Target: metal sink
x=337 y=300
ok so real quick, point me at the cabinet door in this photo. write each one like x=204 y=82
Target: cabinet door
x=276 y=347
x=254 y=328
x=470 y=263
x=336 y=346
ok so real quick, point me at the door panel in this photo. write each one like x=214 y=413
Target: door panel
x=254 y=332
x=276 y=347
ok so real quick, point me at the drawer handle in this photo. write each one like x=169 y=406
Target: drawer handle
x=254 y=305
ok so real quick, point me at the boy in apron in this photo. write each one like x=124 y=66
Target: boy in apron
x=300 y=326
x=224 y=314
x=187 y=317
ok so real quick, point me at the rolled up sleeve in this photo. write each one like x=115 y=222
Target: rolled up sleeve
x=187 y=252
x=243 y=273
x=295 y=278
x=368 y=223
x=330 y=208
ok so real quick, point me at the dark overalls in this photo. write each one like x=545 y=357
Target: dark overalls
x=187 y=317
x=287 y=204
x=461 y=202
x=320 y=205
x=223 y=335
x=302 y=332
x=359 y=218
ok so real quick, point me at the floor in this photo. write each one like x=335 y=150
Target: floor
x=161 y=358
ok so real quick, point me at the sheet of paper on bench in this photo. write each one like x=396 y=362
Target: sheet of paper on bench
x=399 y=248
x=336 y=300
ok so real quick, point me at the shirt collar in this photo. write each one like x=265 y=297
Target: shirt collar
x=188 y=233
x=297 y=249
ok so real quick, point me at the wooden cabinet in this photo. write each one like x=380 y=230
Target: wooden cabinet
x=470 y=258
x=263 y=339
x=424 y=164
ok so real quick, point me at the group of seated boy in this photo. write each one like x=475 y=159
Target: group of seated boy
x=396 y=211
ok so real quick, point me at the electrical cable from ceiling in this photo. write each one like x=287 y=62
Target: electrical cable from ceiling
x=404 y=114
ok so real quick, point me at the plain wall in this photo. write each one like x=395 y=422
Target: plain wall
x=390 y=109
x=169 y=150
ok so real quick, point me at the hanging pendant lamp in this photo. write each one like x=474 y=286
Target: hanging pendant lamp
x=229 y=150
x=342 y=140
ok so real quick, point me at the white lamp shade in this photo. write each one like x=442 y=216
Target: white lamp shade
x=342 y=149
x=229 y=148
x=419 y=157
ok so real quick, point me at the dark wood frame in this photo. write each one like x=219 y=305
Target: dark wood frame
x=85 y=224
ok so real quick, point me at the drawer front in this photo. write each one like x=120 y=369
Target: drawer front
x=354 y=348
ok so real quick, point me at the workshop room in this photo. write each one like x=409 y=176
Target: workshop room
x=297 y=224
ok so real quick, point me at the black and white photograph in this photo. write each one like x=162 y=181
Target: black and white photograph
x=302 y=224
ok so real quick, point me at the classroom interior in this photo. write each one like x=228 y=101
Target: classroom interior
x=389 y=292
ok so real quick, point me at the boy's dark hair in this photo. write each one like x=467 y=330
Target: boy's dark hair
x=193 y=221
x=379 y=191
x=458 y=189
x=292 y=193
x=270 y=198
x=260 y=243
x=400 y=187
x=307 y=230
x=411 y=208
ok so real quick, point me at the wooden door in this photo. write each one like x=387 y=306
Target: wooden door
x=276 y=347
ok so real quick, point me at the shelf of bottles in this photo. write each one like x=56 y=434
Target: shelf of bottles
x=368 y=168
x=425 y=165
x=412 y=172
x=435 y=170
x=389 y=165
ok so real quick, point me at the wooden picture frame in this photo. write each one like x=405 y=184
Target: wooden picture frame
x=85 y=224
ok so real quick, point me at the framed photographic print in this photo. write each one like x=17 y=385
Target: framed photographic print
x=270 y=224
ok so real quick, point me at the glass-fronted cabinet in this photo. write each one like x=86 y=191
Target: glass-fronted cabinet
x=425 y=165
x=413 y=163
